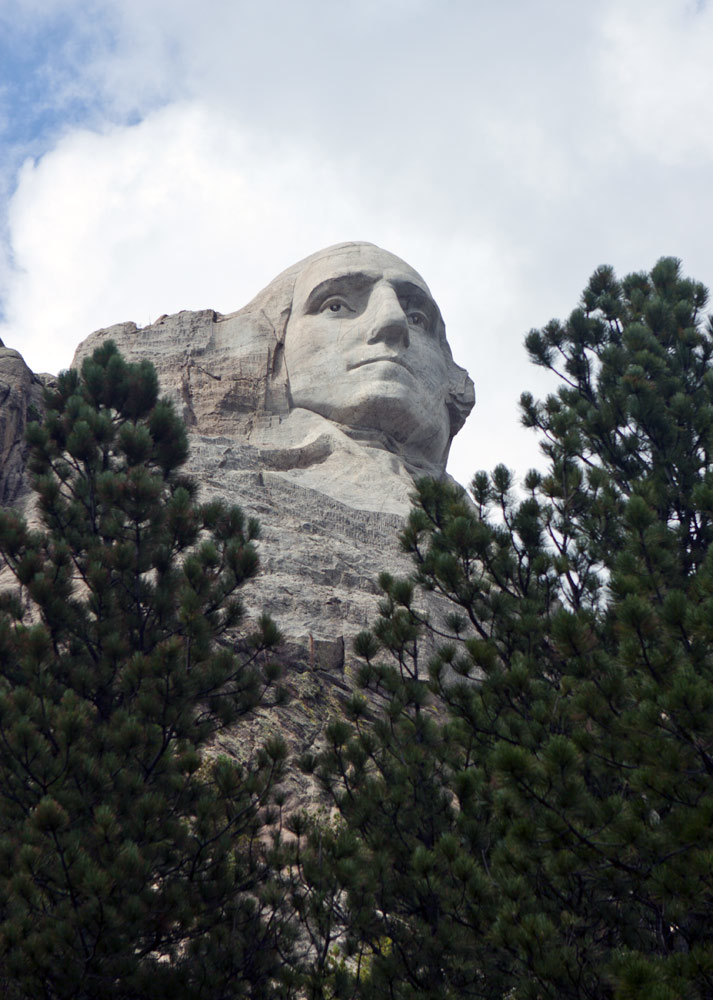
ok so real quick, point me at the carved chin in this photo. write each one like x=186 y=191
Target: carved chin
x=419 y=424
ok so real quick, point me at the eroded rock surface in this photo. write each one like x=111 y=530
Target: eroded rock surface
x=20 y=398
x=313 y=408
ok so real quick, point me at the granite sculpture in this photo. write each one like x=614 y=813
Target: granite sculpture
x=337 y=376
x=314 y=407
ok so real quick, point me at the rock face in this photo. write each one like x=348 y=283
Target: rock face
x=20 y=392
x=313 y=408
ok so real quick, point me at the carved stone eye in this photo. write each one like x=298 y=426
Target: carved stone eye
x=334 y=304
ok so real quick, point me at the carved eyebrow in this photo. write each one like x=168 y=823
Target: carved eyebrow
x=409 y=294
x=413 y=296
x=354 y=281
x=414 y=293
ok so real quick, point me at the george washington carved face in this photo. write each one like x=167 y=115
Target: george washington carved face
x=365 y=347
x=350 y=335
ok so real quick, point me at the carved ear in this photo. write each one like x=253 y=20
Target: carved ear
x=461 y=397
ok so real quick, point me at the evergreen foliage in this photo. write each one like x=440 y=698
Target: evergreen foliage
x=534 y=819
x=130 y=864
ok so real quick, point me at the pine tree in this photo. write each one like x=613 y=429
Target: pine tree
x=131 y=864
x=574 y=762
x=387 y=885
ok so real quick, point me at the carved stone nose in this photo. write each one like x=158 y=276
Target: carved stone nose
x=389 y=323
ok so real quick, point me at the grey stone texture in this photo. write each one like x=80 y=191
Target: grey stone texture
x=314 y=408
x=20 y=395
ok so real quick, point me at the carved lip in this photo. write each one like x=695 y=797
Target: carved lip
x=381 y=357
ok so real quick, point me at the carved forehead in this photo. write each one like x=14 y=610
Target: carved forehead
x=354 y=258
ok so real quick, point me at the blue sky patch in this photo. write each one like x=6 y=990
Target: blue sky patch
x=44 y=85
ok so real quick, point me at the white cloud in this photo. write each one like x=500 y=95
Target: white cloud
x=504 y=150
x=657 y=75
x=186 y=211
x=180 y=211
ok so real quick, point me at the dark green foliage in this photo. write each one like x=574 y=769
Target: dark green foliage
x=386 y=890
x=130 y=865
x=543 y=828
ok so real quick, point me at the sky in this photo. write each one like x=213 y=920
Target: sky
x=159 y=155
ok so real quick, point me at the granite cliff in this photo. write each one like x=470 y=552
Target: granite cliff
x=20 y=401
x=313 y=408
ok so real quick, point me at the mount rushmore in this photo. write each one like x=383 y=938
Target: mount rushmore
x=314 y=408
